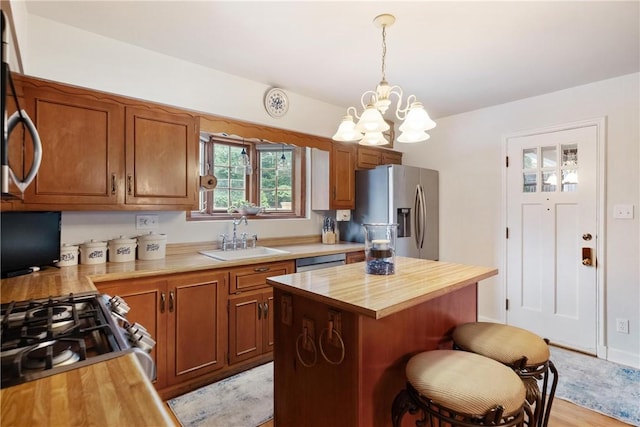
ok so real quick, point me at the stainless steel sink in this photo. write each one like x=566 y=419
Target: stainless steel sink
x=231 y=255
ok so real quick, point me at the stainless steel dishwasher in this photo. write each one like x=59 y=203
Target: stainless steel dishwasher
x=318 y=262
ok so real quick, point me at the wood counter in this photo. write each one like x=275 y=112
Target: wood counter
x=350 y=288
x=383 y=321
x=111 y=393
x=81 y=278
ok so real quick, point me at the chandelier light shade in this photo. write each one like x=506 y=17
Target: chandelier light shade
x=414 y=120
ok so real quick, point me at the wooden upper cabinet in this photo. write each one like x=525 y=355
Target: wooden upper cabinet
x=390 y=157
x=161 y=160
x=104 y=152
x=369 y=157
x=82 y=149
x=342 y=176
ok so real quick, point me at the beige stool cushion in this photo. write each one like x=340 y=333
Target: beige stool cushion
x=465 y=382
x=504 y=343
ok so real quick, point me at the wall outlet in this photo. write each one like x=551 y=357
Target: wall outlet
x=147 y=222
x=622 y=326
x=623 y=211
x=343 y=215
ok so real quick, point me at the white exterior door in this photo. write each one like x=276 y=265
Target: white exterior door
x=552 y=212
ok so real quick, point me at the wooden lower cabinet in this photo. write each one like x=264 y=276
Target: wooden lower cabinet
x=186 y=315
x=250 y=325
x=352 y=257
x=251 y=309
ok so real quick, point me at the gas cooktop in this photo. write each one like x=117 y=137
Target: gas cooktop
x=47 y=336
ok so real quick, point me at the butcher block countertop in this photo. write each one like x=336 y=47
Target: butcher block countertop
x=81 y=278
x=113 y=392
x=110 y=393
x=348 y=287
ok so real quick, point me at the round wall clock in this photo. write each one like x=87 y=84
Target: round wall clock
x=276 y=102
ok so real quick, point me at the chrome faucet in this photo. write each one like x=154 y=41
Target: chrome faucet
x=234 y=238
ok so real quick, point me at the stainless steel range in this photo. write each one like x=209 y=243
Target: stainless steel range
x=48 y=336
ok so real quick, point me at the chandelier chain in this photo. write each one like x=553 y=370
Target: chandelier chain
x=384 y=51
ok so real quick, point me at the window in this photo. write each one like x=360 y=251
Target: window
x=266 y=174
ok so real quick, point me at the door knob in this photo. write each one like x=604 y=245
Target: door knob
x=586 y=236
x=587 y=258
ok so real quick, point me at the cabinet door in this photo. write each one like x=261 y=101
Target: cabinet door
x=82 y=149
x=147 y=299
x=343 y=176
x=161 y=162
x=267 y=318
x=245 y=326
x=391 y=158
x=196 y=324
x=368 y=158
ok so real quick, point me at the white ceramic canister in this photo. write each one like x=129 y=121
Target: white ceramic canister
x=122 y=249
x=152 y=246
x=93 y=252
x=68 y=255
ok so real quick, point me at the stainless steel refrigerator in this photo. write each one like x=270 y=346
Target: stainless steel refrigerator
x=400 y=194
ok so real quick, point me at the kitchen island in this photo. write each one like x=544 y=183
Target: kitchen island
x=350 y=378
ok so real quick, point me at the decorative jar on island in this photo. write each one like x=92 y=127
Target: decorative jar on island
x=380 y=248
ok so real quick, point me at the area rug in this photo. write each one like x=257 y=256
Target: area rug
x=243 y=400
x=601 y=386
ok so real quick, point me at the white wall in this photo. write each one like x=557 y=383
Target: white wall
x=62 y=53
x=467 y=150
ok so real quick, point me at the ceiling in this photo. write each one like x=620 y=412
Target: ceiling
x=454 y=56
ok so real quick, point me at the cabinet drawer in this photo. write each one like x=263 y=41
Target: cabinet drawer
x=255 y=276
x=355 y=257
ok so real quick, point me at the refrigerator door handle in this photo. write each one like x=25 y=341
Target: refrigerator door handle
x=416 y=217
x=423 y=215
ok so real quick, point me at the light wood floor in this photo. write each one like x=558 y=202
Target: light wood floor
x=564 y=414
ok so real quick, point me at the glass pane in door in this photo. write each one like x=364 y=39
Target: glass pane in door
x=549 y=157
x=549 y=181
x=529 y=182
x=530 y=158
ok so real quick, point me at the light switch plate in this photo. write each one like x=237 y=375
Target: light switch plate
x=623 y=211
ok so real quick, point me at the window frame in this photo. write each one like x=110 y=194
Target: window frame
x=298 y=179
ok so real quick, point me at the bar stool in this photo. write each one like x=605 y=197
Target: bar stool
x=523 y=351
x=462 y=389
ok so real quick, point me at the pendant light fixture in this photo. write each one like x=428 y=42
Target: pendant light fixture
x=283 y=159
x=244 y=158
x=370 y=127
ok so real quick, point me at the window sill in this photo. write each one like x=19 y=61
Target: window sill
x=197 y=216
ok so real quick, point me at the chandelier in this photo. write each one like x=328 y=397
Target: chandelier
x=371 y=124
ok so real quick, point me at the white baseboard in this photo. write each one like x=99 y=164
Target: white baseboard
x=488 y=319
x=623 y=357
